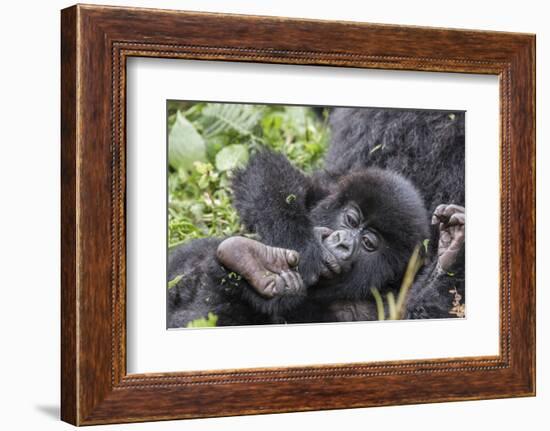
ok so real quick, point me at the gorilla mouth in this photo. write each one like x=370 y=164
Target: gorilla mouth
x=331 y=262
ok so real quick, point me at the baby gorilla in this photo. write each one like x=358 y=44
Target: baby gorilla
x=320 y=241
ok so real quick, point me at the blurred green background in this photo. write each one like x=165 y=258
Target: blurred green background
x=206 y=141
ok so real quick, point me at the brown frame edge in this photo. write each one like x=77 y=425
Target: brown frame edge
x=95 y=43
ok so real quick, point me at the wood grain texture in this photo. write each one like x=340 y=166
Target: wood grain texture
x=69 y=397
x=96 y=41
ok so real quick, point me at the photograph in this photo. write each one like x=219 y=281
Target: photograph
x=286 y=214
x=273 y=202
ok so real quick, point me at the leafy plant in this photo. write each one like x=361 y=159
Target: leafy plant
x=210 y=321
x=185 y=144
x=231 y=157
x=174 y=281
x=397 y=307
x=207 y=141
x=219 y=118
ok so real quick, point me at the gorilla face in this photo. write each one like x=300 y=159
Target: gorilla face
x=368 y=226
x=349 y=238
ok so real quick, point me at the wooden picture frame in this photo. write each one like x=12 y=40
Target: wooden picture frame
x=96 y=41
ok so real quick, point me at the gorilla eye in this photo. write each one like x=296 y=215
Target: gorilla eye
x=370 y=241
x=352 y=219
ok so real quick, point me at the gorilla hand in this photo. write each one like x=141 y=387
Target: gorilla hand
x=271 y=271
x=451 y=220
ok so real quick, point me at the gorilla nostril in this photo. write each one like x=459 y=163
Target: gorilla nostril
x=345 y=249
x=323 y=232
x=344 y=246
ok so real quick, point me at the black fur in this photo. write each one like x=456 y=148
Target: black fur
x=274 y=200
x=425 y=146
x=206 y=287
x=372 y=153
x=428 y=147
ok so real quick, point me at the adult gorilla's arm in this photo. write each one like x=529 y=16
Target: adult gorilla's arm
x=439 y=290
x=273 y=200
x=202 y=285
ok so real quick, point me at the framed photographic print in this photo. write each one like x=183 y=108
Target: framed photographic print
x=264 y=214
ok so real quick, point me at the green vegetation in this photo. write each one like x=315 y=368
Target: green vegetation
x=174 y=281
x=207 y=141
x=397 y=307
x=204 y=322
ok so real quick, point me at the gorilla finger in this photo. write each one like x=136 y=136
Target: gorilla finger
x=280 y=285
x=452 y=209
x=269 y=289
x=438 y=213
x=457 y=219
x=445 y=238
x=292 y=257
x=457 y=233
x=444 y=211
x=296 y=281
x=299 y=281
x=289 y=281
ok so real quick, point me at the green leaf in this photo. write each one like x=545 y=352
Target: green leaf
x=425 y=243
x=379 y=303
x=209 y=321
x=185 y=144
x=174 y=281
x=197 y=210
x=392 y=307
x=202 y=168
x=297 y=116
x=203 y=182
x=231 y=157
x=234 y=276
x=219 y=118
x=290 y=198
